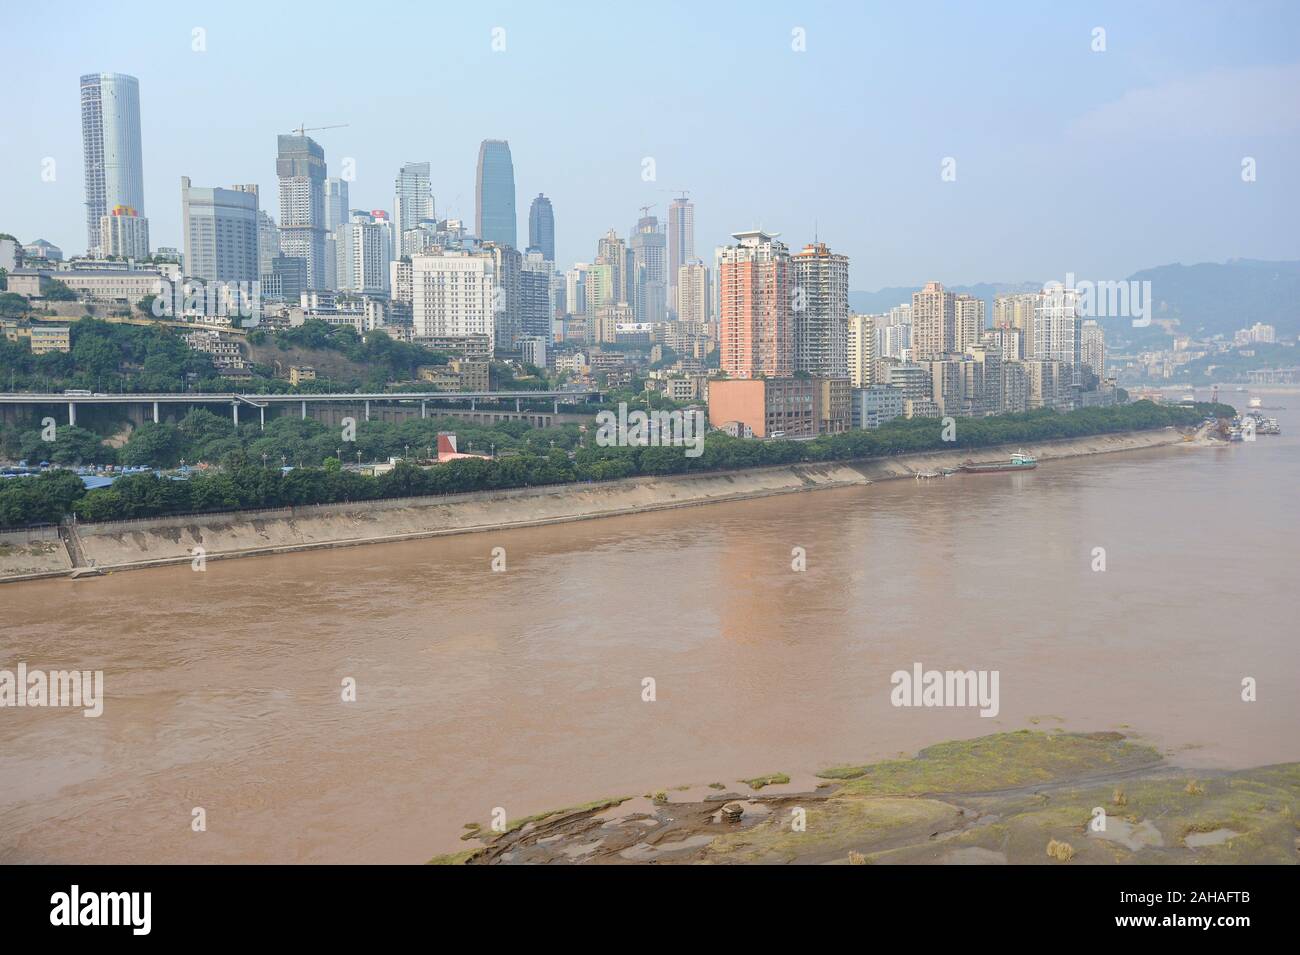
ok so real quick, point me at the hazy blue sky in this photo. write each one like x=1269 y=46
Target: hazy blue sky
x=1066 y=159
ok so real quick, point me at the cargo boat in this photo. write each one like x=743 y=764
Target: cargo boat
x=1020 y=461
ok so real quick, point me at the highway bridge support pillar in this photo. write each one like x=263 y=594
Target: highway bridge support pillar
x=72 y=414
x=155 y=412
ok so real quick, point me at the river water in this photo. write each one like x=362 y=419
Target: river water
x=523 y=688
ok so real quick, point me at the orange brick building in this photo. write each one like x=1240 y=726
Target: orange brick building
x=755 y=277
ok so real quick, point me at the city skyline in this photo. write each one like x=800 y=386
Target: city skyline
x=1047 y=111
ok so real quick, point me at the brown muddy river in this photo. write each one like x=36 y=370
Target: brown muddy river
x=523 y=689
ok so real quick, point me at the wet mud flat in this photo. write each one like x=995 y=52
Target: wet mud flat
x=1028 y=797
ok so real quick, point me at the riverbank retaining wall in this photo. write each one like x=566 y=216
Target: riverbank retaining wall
x=153 y=541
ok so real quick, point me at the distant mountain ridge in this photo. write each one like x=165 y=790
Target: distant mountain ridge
x=1207 y=298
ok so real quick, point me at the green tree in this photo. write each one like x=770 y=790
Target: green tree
x=53 y=290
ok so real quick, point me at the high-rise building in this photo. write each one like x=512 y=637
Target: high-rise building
x=968 y=321
x=650 y=278
x=934 y=331
x=268 y=234
x=1017 y=311
x=123 y=234
x=559 y=299
x=948 y=386
x=508 y=317
x=1263 y=334
x=862 y=351
x=681 y=241
x=754 y=280
x=268 y=241
x=287 y=279
x=819 y=312
x=399 y=282
x=598 y=285
x=452 y=294
x=336 y=215
x=221 y=233
x=412 y=204
x=1047 y=383
x=1092 y=348
x=894 y=332
x=1056 y=326
x=110 y=141
x=494 y=195
x=575 y=288
x=364 y=249
x=894 y=341
x=335 y=203
x=1009 y=341
x=1015 y=386
x=613 y=251
x=693 y=293
x=985 y=382
x=541 y=227
x=535 y=296
x=300 y=166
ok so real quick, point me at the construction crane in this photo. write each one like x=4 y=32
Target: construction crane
x=311 y=129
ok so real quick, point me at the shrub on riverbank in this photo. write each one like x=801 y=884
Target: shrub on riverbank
x=244 y=483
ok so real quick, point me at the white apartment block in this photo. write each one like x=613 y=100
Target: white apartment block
x=399 y=281
x=124 y=236
x=968 y=321
x=692 y=288
x=452 y=294
x=363 y=252
x=862 y=350
x=1056 y=326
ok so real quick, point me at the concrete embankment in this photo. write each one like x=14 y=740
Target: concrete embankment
x=33 y=552
x=150 y=542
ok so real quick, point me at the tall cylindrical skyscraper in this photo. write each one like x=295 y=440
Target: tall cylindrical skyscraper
x=494 y=200
x=110 y=138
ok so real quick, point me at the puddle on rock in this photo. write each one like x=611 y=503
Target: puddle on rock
x=1135 y=837
x=645 y=852
x=1215 y=837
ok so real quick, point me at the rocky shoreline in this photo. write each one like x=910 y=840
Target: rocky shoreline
x=1027 y=797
